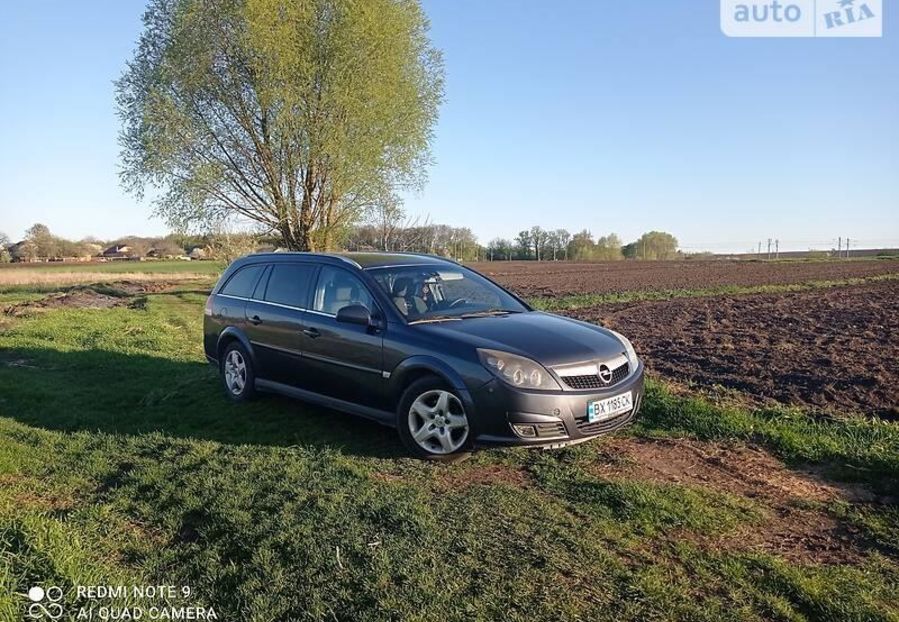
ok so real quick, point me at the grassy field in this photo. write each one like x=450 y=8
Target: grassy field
x=115 y=267
x=122 y=463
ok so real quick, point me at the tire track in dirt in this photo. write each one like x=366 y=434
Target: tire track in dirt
x=793 y=527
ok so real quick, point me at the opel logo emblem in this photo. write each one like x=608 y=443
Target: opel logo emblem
x=605 y=374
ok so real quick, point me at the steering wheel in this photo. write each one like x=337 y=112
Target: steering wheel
x=457 y=302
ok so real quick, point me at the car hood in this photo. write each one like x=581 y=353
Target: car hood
x=548 y=339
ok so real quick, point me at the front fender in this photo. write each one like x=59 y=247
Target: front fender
x=422 y=363
x=419 y=363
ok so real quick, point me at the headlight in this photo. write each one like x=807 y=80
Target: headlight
x=628 y=348
x=517 y=370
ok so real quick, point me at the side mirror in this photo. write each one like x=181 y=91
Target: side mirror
x=355 y=314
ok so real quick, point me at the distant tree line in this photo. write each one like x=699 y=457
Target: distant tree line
x=39 y=244
x=389 y=230
x=456 y=242
x=652 y=245
x=542 y=245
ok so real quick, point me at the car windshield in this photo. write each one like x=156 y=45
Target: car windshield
x=435 y=293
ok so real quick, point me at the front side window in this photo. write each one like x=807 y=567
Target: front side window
x=424 y=293
x=289 y=284
x=337 y=289
x=243 y=282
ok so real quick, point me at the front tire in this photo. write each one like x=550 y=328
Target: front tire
x=432 y=422
x=237 y=373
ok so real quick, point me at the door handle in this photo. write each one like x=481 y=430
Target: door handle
x=255 y=320
x=311 y=332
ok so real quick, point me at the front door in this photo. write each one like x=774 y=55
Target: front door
x=345 y=361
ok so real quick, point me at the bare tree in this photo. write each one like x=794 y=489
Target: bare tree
x=5 y=257
x=538 y=239
x=563 y=237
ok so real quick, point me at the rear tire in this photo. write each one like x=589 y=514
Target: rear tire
x=432 y=422
x=236 y=369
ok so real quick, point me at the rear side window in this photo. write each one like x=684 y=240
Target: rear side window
x=242 y=282
x=260 y=285
x=289 y=284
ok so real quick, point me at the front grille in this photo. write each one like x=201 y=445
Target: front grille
x=593 y=381
x=609 y=425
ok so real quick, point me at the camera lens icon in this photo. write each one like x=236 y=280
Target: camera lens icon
x=44 y=603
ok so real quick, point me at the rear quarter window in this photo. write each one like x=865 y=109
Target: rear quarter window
x=242 y=282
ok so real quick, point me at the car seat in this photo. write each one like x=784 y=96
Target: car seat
x=405 y=299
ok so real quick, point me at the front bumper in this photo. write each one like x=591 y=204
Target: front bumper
x=557 y=418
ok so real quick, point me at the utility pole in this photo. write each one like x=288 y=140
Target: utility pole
x=768 y=256
x=839 y=246
x=847 y=247
x=777 y=249
x=759 y=251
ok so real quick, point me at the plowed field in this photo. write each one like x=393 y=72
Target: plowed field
x=552 y=279
x=834 y=348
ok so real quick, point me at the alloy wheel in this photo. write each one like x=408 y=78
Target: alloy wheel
x=235 y=372
x=437 y=422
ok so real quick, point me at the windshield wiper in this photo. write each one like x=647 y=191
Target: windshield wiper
x=464 y=316
x=436 y=318
x=487 y=313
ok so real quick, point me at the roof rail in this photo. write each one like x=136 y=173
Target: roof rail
x=414 y=254
x=341 y=257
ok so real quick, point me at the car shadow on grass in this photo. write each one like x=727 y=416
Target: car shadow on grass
x=118 y=393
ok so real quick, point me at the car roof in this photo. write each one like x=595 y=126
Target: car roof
x=366 y=259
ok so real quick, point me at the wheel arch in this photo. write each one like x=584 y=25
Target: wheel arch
x=230 y=335
x=415 y=367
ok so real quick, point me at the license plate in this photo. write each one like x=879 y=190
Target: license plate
x=601 y=410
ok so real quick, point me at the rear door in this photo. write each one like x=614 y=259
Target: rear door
x=229 y=303
x=344 y=360
x=276 y=318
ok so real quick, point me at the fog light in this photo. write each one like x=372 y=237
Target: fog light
x=525 y=431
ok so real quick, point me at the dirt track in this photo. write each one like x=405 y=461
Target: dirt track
x=100 y=296
x=552 y=279
x=835 y=349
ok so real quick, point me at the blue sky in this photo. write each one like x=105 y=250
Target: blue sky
x=612 y=116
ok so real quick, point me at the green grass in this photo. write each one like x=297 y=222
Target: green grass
x=579 y=301
x=853 y=449
x=122 y=463
x=19 y=295
x=161 y=266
